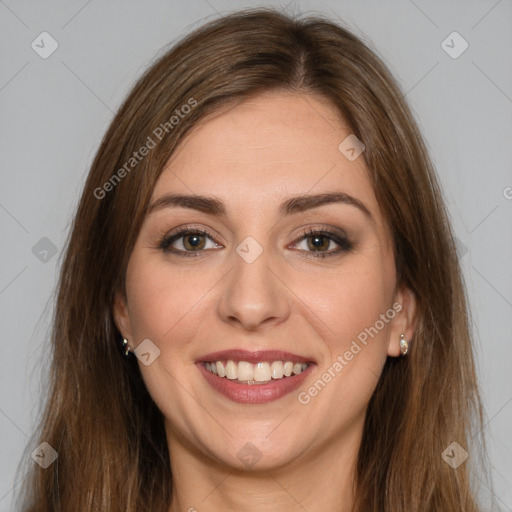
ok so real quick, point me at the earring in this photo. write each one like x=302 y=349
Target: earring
x=126 y=347
x=404 y=345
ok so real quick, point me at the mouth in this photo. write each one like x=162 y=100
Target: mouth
x=262 y=372
x=254 y=377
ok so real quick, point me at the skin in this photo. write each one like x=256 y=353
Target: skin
x=253 y=156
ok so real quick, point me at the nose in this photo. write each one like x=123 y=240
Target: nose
x=253 y=295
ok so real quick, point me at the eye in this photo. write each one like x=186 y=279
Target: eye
x=317 y=243
x=190 y=242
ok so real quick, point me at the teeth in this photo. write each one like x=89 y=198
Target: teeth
x=297 y=368
x=276 y=369
x=262 y=372
x=231 y=372
x=245 y=371
x=259 y=373
x=221 y=370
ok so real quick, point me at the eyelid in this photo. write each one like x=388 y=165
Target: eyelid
x=336 y=235
x=312 y=230
x=169 y=238
x=183 y=229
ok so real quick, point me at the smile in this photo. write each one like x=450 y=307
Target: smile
x=254 y=377
x=260 y=373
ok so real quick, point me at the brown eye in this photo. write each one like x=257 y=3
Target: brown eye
x=187 y=242
x=193 y=242
x=319 y=241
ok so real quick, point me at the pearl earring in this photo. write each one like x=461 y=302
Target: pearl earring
x=404 y=345
x=126 y=347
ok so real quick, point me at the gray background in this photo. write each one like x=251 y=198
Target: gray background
x=54 y=111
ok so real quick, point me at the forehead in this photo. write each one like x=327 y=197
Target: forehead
x=265 y=149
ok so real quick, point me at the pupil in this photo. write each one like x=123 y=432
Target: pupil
x=193 y=241
x=317 y=241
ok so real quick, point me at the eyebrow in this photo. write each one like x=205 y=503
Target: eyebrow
x=295 y=204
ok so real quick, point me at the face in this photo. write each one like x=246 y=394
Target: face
x=308 y=282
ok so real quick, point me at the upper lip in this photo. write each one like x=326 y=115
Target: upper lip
x=256 y=356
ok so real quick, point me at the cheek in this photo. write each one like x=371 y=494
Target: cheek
x=357 y=315
x=162 y=299
x=350 y=300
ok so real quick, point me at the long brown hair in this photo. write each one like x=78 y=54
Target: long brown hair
x=99 y=417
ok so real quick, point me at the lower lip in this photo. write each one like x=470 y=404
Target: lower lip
x=254 y=393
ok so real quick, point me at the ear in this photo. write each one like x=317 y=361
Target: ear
x=121 y=315
x=405 y=320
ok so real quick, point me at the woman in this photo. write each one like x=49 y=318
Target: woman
x=260 y=306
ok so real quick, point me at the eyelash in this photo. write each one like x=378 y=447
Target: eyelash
x=344 y=243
